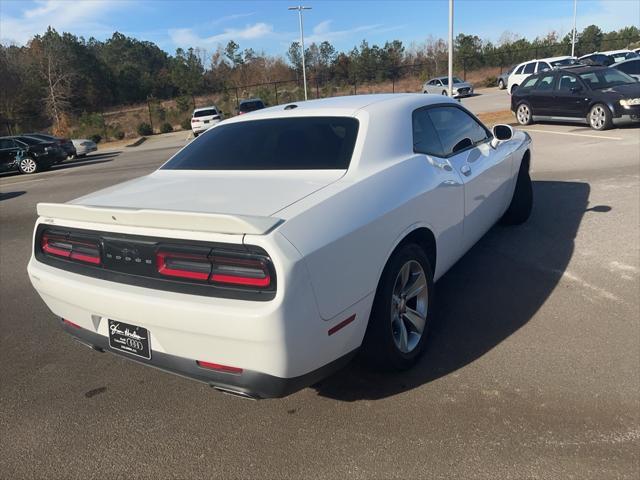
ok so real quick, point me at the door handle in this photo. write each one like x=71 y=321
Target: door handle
x=465 y=170
x=441 y=165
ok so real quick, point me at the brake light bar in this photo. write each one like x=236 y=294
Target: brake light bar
x=218 y=367
x=82 y=251
x=194 y=267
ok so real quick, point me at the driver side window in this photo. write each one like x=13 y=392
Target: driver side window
x=455 y=129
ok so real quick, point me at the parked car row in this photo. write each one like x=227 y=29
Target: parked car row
x=599 y=96
x=626 y=60
x=35 y=152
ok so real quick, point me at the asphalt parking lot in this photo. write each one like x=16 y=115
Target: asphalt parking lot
x=532 y=369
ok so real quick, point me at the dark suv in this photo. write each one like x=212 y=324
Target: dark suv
x=27 y=155
x=598 y=96
x=251 y=105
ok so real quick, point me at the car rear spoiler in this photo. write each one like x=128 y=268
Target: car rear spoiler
x=169 y=219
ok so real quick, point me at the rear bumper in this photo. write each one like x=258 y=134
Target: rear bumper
x=249 y=383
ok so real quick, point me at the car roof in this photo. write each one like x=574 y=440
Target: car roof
x=346 y=106
x=548 y=59
x=205 y=108
x=628 y=60
x=612 y=52
x=250 y=100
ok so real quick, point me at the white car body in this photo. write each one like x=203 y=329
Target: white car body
x=328 y=233
x=84 y=146
x=525 y=69
x=620 y=55
x=204 y=118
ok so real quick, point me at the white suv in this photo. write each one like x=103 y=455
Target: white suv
x=522 y=71
x=205 y=118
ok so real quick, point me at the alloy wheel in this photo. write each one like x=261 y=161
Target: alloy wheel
x=524 y=114
x=28 y=165
x=598 y=117
x=409 y=306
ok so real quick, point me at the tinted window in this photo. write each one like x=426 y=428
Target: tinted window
x=456 y=129
x=205 y=113
x=565 y=62
x=6 y=143
x=425 y=137
x=251 y=106
x=528 y=83
x=272 y=144
x=445 y=81
x=542 y=66
x=545 y=83
x=529 y=67
x=30 y=140
x=632 y=67
x=566 y=83
x=606 y=78
x=519 y=70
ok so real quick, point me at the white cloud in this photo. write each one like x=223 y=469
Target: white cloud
x=187 y=37
x=79 y=17
x=322 y=31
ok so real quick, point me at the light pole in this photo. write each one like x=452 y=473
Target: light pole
x=300 y=8
x=450 y=85
x=573 y=41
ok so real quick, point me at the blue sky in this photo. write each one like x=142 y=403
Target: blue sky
x=268 y=25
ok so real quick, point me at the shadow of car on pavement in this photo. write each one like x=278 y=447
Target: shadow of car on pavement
x=494 y=290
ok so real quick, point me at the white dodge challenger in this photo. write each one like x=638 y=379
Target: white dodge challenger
x=267 y=252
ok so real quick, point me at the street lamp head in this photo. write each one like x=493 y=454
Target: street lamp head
x=299 y=7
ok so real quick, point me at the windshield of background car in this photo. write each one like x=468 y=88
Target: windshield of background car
x=251 y=106
x=445 y=81
x=205 y=113
x=301 y=143
x=606 y=78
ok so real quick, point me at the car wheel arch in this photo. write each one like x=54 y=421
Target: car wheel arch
x=420 y=234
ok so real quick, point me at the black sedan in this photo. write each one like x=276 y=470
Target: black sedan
x=27 y=155
x=65 y=143
x=598 y=96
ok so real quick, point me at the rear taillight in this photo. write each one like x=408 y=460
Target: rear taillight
x=216 y=268
x=194 y=120
x=74 y=249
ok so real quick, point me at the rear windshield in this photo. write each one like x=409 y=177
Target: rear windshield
x=563 y=63
x=205 y=113
x=251 y=106
x=302 y=143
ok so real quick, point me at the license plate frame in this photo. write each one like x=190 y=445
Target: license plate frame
x=130 y=339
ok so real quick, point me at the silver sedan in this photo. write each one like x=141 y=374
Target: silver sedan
x=439 y=86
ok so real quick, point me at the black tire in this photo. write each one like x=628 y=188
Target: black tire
x=513 y=89
x=521 y=204
x=379 y=348
x=524 y=113
x=195 y=134
x=600 y=117
x=501 y=84
x=29 y=165
x=444 y=92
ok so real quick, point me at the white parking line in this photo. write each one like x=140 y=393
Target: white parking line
x=22 y=182
x=572 y=134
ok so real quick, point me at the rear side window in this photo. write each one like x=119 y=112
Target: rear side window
x=301 y=143
x=425 y=136
x=542 y=66
x=205 y=113
x=545 y=83
x=456 y=129
x=519 y=70
x=529 y=67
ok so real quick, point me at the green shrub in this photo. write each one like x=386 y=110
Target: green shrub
x=184 y=103
x=186 y=124
x=118 y=134
x=145 y=129
x=95 y=138
x=166 y=128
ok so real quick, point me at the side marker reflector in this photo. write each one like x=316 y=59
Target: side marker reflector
x=342 y=324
